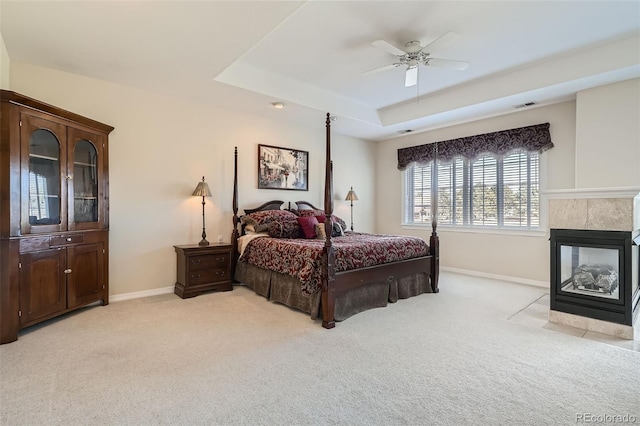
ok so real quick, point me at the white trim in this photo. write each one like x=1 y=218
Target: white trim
x=517 y=280
x=623 y=192
x=139 y=294
x=539 y=232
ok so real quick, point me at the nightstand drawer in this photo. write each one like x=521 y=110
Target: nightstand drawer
x=209 y=276
x=208 y=261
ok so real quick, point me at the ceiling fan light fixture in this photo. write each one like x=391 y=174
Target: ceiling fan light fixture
x=413 y=47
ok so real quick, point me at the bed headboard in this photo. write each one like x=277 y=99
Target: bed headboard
x=269 y=205
x=303 y=205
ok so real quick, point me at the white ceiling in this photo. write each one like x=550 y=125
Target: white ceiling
x=311 y=55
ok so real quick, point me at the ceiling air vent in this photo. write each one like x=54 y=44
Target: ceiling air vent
x=528 y=104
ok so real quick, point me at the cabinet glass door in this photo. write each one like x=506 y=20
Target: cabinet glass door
x=44 y=179
x=85 y=182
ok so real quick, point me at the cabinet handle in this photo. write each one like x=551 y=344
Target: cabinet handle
x=69 y=177
x=69 y=239
x=67 y=271
x=220 y=259
x=195 y=276
x=196 y=261
x=220 y=273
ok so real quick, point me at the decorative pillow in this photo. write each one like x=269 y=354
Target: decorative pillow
x=263 y=228
x=343 y=224
x=320 y=232
x=266 y=216
x=310 y=212
x=285 y=228
x=313 y=212
x=337 y=230
x=308 y=226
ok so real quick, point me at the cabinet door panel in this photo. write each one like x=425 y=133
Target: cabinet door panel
x=44 y=175
x=43 y=287
x=86 y=279
x=87 y=183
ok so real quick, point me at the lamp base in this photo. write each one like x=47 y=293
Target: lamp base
x=203 y=242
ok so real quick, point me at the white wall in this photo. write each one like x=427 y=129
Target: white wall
x=608 y=136
x=160 y=149
x=510 y=255
x=4 y=65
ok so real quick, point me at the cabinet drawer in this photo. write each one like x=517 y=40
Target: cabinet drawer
x=62 y=240
x=208 y=261
x=208 y=276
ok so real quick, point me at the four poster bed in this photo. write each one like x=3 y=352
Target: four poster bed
x=302 y=258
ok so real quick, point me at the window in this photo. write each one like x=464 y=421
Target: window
x=490 y=192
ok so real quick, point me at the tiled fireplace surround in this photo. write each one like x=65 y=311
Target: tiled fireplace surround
x=608 y=209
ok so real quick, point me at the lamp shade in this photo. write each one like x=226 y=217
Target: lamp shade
x=351 y=195
x=202 y=190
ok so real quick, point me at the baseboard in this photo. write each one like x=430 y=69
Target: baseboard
x=525 y=281
x=139 y=294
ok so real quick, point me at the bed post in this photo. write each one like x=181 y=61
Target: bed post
x=328 y=256
x=234 y=233
x=434 y=241
x=434 y=250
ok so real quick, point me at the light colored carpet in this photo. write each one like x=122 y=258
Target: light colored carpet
x=452 y=358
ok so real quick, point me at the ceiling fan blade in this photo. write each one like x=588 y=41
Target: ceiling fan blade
x=411 y=77
x=441 y=41
x=447 y=63
x=377 y=70
x=388 y=47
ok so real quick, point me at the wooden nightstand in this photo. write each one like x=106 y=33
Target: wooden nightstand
x=203 y=268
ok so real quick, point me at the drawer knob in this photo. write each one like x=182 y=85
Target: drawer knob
x=67 y=271
x=69 y=239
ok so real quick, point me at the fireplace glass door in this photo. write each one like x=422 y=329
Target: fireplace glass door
x=591 y=271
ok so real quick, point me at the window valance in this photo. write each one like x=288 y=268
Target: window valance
x=530 y=138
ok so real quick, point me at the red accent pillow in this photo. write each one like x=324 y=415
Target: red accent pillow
x=321 y=218
x=320 y=213
x=308 y=225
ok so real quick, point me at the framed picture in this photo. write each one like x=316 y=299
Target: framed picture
x=282 y=168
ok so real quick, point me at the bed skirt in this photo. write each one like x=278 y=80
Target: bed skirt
x=286 y=290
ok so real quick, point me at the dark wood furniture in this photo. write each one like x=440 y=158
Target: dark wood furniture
x=202 y=269
x=335 y=285
x=54 y=222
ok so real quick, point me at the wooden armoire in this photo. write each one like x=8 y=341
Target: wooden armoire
x=54 y=212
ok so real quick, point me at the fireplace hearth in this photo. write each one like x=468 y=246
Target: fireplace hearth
x=595 y=274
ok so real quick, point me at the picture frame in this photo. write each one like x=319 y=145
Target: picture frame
x=283 y=168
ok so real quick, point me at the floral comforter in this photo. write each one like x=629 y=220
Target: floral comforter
x=301 y=258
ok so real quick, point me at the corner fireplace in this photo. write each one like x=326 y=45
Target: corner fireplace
x=595 y=274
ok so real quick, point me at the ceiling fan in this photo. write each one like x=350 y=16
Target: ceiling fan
x=415 y=54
